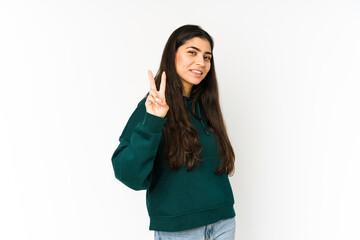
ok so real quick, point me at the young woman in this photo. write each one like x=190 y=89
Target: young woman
x=175 y=145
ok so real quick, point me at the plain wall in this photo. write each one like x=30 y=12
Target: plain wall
x=72 y=72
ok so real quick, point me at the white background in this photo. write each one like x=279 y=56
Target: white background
x=73 y=71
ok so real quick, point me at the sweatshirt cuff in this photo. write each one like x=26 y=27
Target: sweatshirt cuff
x=153 y=123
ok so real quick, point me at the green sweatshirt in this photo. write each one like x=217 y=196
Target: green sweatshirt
x=176 y=200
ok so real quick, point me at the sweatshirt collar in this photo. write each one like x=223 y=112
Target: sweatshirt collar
x=188 y=100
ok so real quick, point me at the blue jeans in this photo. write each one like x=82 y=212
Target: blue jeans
x=221 y=230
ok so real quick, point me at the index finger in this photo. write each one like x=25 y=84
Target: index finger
x=152 y=81
x=163 y=84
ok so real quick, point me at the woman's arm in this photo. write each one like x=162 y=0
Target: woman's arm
x=133 y=159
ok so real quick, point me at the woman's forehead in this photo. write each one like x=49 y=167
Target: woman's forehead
x=198 y=43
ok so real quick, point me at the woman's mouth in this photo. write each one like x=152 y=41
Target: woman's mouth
x=196 y=73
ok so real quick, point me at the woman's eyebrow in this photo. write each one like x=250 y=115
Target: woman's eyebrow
x=199 y=49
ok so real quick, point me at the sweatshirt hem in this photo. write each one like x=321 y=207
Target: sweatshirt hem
x=191 y=220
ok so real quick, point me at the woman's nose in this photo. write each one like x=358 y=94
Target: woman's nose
x=200 y=61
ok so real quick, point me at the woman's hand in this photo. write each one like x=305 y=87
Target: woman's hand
x=155 y=102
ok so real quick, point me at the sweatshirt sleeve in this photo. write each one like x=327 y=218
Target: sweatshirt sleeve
x=133 y=159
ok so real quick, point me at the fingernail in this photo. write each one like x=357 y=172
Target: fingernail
x=158 y=100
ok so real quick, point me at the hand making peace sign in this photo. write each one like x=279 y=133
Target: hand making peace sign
x=155 y=102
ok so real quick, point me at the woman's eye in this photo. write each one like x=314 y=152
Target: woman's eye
x=194 y=53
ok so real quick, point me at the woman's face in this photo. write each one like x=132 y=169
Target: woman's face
x=193 y=62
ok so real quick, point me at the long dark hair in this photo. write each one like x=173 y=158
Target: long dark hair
x=181 y=138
